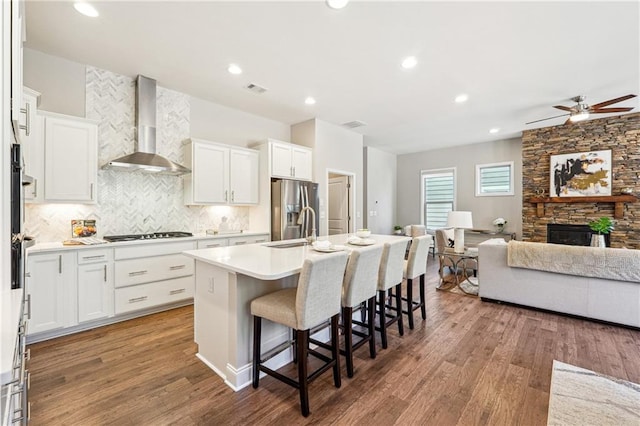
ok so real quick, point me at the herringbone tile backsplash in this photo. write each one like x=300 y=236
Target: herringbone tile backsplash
x=132 y=202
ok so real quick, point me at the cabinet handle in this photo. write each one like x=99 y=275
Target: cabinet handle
x=239 y=243
x=93 y=257
x=175 y=268
x=91 y=192
x=232 y=196
x=212 y=245
x=59 y=263
x=35 y=188
x=290 y=170
x=105 y=273
x=136 y=273
x=27 y=112
x=225 y=195
x=294 y=171
x=260 y=241
x=178 y=291
x=138 y=299
x=28 y=306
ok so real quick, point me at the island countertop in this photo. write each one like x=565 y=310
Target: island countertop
x=267 y=262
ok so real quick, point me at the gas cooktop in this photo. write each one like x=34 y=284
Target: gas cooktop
x=152 y=236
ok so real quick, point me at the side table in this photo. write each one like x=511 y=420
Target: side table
x=466 y=283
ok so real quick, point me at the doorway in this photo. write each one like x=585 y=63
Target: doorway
x=339 y=209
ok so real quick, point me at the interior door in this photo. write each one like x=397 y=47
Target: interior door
x=338 y=210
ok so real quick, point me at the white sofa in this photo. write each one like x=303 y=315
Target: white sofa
x=612 y=300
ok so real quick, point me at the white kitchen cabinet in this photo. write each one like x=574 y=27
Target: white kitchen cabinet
x=51 y=287
x=71 y=159
x=18 y=35
x=220 y=174
x=249 y=239
x=32 y=142
x=290 y=161
x=95 y=285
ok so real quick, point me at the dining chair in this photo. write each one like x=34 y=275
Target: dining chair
x=315 y=300
x=390 y=287
x=416 y=267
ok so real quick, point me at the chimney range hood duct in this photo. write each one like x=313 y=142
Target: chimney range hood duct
x=144 y=158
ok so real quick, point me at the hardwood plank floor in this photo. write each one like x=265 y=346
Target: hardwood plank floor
x=469 y=363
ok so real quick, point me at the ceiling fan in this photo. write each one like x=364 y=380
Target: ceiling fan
x=580 y=111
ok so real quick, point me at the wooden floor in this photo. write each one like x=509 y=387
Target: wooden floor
x=471 y=362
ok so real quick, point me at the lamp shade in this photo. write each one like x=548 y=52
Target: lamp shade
x=460 y=220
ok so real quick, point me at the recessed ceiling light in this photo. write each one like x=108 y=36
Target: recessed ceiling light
x=234 y=69
x=309 y=100
x=86 y=9
x=337 y=4
x=409 y=62
x=462 y=98
x=494 y=130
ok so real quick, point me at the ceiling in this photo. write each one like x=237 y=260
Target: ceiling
x=515 y=60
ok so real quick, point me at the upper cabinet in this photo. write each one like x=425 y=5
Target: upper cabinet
x=17 y=39
x=220 y=174
x=290 y=161
x=71 y=159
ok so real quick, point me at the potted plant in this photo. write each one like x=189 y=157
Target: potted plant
x=397 y=230
x=602 y=226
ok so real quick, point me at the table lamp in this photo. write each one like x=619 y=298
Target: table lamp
x=459 y=221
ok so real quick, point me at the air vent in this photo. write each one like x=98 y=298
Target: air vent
x=255 y=88
x=354 y=124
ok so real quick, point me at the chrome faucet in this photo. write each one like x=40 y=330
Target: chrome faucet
x=310 y=238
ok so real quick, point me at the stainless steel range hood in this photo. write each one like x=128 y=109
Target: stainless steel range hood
x=144 y=158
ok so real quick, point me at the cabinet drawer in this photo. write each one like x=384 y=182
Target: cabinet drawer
x=93 y=256
x=158 y=268
x=153 y=294
x=237 y=241
x=213 y=243
x=152 y=248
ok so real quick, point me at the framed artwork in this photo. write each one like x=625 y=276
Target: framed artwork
x=581 y=174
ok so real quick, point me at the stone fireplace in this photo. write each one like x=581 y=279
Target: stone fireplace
x=619 y=134
x=573 y=235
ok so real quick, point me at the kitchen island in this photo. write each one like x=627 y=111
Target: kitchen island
x=227 y=280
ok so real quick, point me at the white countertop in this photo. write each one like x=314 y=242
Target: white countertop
x=57 y=246
x=10 y=311
x=268 y=263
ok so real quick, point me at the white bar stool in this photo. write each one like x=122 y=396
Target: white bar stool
x=416 y=267
x=390 y=276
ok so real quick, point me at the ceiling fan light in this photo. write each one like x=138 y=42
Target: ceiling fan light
x=337 y=4
x=579 y=117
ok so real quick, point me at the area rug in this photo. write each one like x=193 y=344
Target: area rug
x=584 y=397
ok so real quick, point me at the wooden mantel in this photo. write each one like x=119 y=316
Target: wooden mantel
x=618 y=200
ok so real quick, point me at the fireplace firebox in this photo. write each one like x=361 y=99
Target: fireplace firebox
x=573 y=235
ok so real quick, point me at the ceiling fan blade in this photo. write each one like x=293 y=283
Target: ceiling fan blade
x=608 y=110
x=549 y=118
x=612 y=101
x=565 y=108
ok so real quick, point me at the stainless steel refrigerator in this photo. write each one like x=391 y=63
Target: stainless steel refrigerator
x=288 y=199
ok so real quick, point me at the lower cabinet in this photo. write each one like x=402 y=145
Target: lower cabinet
x=95 y=291
x=51 y=287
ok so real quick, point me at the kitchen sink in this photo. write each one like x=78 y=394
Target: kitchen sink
x=288 y=245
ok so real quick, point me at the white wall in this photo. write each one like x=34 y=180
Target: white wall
x=464 y=158
x=218 y=123
x=61 y=82
x=380 y=194
x=335 y=149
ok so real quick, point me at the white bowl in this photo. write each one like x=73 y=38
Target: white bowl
x=363 y=233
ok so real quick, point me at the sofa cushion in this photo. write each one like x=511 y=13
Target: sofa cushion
x=608 y=263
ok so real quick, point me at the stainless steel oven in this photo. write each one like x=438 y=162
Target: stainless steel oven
x=18 y=241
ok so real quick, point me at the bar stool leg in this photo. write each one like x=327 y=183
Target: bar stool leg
x=423 y=301
x=410 y=302
x=348 y=338
x=257 y=331
x=383 y=327
x=335 y=351
x=303 y=379
x=399 y=305
x=371 y=307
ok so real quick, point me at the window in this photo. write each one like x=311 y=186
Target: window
x=438 y=196
x=494 y=179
